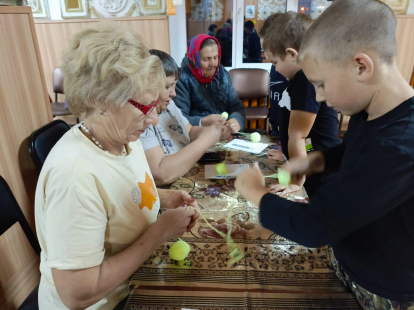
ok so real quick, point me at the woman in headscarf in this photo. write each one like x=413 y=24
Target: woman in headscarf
x=205 y=89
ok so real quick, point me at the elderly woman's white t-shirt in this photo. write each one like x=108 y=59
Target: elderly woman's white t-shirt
x=90 y=205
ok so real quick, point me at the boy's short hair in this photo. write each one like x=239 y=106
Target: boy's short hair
x=249 y=25
x=286 y=31
x=168 y=63
x=351 y=26
x=268 y=21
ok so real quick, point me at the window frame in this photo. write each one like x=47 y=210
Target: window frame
x=178 y=34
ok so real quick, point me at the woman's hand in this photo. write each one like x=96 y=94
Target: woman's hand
x=251 y=184
x=212 y=119
x=173 y=223
x=234 y=125
x=210 y=135
x=177 y=199
x=226 y=133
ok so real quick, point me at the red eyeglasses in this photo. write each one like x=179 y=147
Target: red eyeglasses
x=146 y=109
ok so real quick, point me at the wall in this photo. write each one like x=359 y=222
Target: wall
x=54 y=35
x=405 y=45
x=178 y=26
x=411 y=7
x=24 y=107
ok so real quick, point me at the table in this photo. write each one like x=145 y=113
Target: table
x=274 y=274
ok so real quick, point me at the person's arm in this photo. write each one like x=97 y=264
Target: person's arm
x=300 y=125
x=183 y=101
x=79 y=289
x=167 y=169
x=193 y=131
x=378 y=183
x=76 y=222
x=236 y=109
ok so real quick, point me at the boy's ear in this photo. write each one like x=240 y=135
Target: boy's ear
x=364 y=67
x=292 y=53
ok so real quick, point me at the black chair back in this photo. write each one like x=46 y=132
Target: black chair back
x=44 y=139
x=10 y=213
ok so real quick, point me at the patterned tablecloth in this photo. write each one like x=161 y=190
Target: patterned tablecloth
x=275 y=273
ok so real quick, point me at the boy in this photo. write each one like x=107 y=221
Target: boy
x=173 y=146
x=277 y=84
x=305 y=118
x=367 y=213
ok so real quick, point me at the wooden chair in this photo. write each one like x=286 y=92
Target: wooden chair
x=252 y=86
x=10 y=213
x=59 y=108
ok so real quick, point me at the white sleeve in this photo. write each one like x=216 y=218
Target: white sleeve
x=75 y=225
x=182 y=120
x=149 y=139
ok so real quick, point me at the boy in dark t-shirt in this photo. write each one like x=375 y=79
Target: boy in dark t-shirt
x=366 y=214
x=306 y=124
x=277 y=83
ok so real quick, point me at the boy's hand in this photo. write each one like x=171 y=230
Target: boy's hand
x=275 y=155
x=276 y=187
x=299 y=167
x=251 y=184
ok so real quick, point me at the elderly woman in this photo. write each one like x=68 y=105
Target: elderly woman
x=96 y=201
x=205 y=89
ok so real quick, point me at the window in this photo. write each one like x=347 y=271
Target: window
x=226 y=19
x=313 y=8
x=255 y=13
x=215 y=18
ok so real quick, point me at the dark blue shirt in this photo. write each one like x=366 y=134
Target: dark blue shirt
x=324 y=132
x=367 y=212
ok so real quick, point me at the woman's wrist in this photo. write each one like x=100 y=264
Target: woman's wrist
x=163 y=194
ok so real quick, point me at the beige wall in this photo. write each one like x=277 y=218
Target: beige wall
x=54 y=35
x=405 y=44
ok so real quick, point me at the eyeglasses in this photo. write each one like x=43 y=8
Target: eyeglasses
x=146 y=109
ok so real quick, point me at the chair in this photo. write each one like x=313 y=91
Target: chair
x=252 y=86
x=44 y=139
x=58 y=108
x=11 y=214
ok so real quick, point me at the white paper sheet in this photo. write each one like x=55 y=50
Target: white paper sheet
x=247 y=146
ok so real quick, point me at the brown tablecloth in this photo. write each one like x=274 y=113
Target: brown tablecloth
x=275 y=273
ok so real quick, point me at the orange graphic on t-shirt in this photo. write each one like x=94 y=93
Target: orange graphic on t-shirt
x=148 y=193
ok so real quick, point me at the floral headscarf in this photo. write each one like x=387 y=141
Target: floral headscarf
x=193 y=55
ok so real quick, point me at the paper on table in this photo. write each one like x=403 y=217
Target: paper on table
x=247 y=146
x=233 y=170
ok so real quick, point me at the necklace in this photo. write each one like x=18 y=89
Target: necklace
x=124 y=152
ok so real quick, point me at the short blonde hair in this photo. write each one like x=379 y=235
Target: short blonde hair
x=348 y=27
x=286 y=31
x=105 y=65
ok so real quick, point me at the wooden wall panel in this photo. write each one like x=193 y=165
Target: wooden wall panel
x=53 y=37
x=19 y=272
x=405 y=44
x=24 y=107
